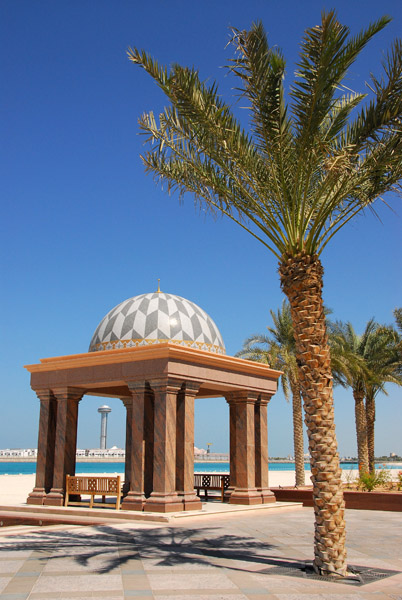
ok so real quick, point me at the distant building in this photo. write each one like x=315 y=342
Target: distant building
x=18 y=453
x=114 y=452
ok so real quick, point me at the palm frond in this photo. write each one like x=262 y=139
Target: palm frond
x=303 y=171
x=365 y=362
x=326 y=55
x=383 y=114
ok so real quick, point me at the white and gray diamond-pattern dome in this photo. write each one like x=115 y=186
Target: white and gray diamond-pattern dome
x=156 y=318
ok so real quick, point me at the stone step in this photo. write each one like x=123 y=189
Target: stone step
x=92 y=514
x=47 y=515
x=17 y=517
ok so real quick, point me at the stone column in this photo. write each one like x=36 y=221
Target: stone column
x=261 y=449
x=232 y=444
x=66 y=442
x=164 y=497
x=46 y=442
x=128 y=403
x=135 y=498
x=149 y=420
x=244 y=491
x=185 y=446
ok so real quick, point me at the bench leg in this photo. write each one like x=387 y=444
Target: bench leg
x=118 y=500
x=91 y=501
x=66 y=499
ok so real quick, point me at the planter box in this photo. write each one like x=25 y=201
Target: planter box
x=358 y=500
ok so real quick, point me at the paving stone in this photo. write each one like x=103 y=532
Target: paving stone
x=88 y=582
x=19 y=585
x=9 y=566
x=215 y=595
x=201 y=559
x=4 y=581
x=138 y=594
x=189 y=581
x=134 y=583
x=8 y=553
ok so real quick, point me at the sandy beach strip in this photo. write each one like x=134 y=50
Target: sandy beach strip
x=14 y=489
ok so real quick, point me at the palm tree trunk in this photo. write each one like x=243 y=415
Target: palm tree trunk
x=361 y=431
x=298 y=433
x=301 y=281
x=370 y=416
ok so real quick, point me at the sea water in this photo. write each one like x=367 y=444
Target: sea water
x=28 y=468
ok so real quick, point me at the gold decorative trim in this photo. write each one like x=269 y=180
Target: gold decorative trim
x=133 y=343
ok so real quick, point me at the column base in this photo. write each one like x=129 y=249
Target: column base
x=55 y=497
x=266 y=495
x=158 y=502
x=37 y=496
x=133 y=501
x=228 y=493
x=246 y=496
x=190 y=501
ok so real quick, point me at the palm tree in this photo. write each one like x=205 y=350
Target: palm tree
x=365 y=363
x=398 y=318
x=384 y=366
x=279 y=350
x=352 y=370
x=305 y=169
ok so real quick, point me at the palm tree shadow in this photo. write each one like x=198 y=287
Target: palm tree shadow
x=167 y=547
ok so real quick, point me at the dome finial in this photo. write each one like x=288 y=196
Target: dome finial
x=158 y=291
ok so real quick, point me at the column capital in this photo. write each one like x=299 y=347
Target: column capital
x=264 y=399
x=191 y=388
x=166 y=384
x=127 y=401
x=241 y=397
x=68 y=393
x=138 y=386
x=44 y=394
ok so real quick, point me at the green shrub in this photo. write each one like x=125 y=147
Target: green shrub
x=369 y=481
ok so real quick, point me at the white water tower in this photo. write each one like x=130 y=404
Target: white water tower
x=104 y=411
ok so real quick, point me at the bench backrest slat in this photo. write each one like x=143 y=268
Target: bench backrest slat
x=211 y=480
x=82 y=484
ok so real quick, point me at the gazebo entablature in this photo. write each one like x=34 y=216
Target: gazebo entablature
x=158 y=385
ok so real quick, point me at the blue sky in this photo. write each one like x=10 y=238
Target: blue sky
x=84 y=228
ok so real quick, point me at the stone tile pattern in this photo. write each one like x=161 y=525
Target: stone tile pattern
x=155 y=318
x=201 y=559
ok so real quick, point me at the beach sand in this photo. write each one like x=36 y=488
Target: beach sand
x=14 y=489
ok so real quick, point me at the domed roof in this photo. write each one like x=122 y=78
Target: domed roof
x=156 y=318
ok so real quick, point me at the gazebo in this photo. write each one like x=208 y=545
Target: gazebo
x=156 y=352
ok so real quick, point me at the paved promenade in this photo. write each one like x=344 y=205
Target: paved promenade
x=227 y=557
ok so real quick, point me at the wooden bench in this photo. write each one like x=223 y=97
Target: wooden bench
x=93 y=486
x=208 y=481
